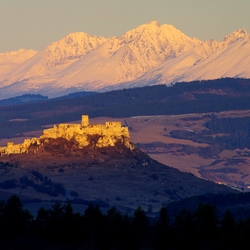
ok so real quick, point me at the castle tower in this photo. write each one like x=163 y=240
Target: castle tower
x=10 y=144
x=85 y=120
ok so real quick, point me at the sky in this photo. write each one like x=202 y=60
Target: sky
x=34 y=24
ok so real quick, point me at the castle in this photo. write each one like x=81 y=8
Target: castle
x=105 y=135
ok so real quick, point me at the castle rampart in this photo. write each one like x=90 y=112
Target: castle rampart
x=108 y=134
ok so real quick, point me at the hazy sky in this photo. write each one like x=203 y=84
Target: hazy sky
x=34 y=24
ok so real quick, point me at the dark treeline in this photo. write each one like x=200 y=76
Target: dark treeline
x=236 y=130
x=236 y=126
x=61 y=228
x=235 y=133
x=239 y=85
x=154 y=100
x=27 y=98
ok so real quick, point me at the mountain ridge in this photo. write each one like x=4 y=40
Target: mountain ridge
x=147 y=55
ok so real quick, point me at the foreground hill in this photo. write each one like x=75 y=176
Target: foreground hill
x=147 y=55
x=109 y=175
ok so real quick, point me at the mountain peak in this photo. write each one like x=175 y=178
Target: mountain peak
x=17 y=52
x=13 y=52
x=154 y=23
x=165 y=32
x=235 y=35
x=73 y=46
x=155 y=26
x=241 y=32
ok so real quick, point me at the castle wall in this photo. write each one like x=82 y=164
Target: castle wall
x=109 y=133
x=14 y=148
x=113 y=125
x=94 y=129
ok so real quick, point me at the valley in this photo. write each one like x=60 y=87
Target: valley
x=152 y=134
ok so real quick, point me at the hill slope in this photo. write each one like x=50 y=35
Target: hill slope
x=113 y=175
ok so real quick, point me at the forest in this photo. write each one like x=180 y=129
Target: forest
x=234 y=132
x=61 y=228
x=182 y=98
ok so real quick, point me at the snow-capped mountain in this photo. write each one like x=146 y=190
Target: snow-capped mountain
x=150 y=54
x=208 y=60
x=42 y=67
x=11 y=60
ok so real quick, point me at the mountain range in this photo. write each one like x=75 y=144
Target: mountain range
x=147 y=55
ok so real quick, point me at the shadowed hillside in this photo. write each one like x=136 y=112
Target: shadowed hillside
x=113 y=175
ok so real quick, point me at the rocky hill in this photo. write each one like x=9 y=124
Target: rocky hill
x=114 y=175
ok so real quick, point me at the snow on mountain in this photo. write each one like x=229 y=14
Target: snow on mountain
x=11 y=60
x=210 y=59
x=147 y=55
x=54 y=58
x=231 y=61
x=71 y=48
x=171 y=70
x=231 y=38
x=127 y=57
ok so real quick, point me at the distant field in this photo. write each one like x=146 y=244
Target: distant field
x=156 y=129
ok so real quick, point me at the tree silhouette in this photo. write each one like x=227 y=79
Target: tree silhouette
x=16 y=220
x=140 y=228
x=206 y=222
x=228 y=232
x=94 y=227
x=42 y=223
x=162 y=229
x=185 y=231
